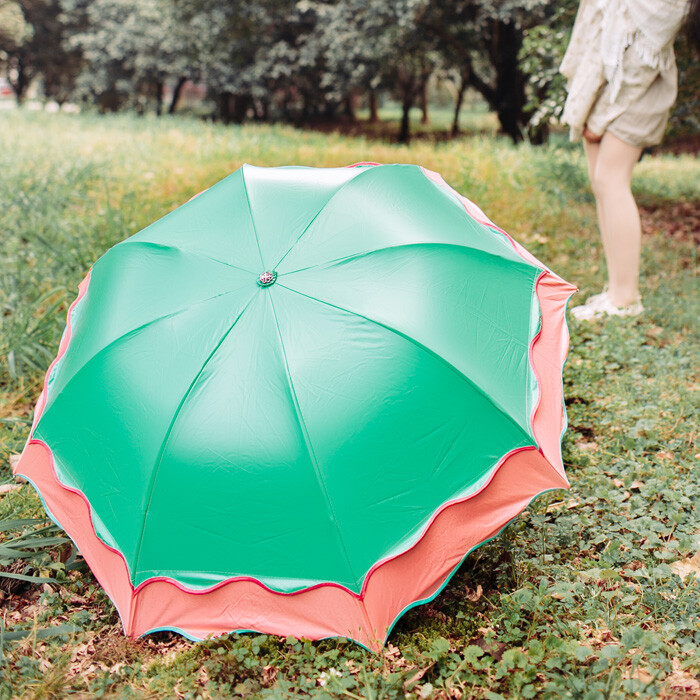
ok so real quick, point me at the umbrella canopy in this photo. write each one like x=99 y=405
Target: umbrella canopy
x=297 y=402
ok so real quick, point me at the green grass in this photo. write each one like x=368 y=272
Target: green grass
x=577 y=598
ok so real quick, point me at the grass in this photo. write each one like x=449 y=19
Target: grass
x=579 y=597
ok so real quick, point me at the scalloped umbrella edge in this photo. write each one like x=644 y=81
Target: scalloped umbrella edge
x=393 y=586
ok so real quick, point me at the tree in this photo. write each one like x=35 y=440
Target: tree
x=481 y=40
x=541 y=55
x=32 y=43
x=361 y=46
x=13 y=28
x=231 y=48
x=129 y=48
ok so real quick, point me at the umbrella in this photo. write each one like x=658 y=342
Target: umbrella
x=295 y=403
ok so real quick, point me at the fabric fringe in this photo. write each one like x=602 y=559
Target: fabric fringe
x=649 y=54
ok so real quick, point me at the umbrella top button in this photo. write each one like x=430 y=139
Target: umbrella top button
x=267 y=278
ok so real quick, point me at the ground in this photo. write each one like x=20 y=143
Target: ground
x=591 y=593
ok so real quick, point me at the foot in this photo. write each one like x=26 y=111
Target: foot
x=600 y=305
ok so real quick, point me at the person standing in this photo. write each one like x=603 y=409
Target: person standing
x=622 y=83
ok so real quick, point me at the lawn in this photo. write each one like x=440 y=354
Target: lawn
x=592 y=593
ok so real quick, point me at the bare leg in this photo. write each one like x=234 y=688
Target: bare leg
x=610 y=164
x=591 y=148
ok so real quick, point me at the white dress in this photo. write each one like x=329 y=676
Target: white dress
x=621 y=68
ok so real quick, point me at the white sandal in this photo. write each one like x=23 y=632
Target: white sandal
x=600 y=305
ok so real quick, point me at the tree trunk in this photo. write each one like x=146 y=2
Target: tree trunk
x=239 y=112
x=349 y=108
x=538 y=135
x=373 y=107
x=405 y=130
x=159 y=97
x=458 y=104
x=262 y=110
x=176 y=94
x=408 y=85
x=510 y=82
x=224 y=103
x=20 y=84
x=425 y=118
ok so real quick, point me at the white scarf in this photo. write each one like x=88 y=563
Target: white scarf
x=650 y=26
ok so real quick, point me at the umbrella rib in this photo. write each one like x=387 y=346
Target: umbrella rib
x=309 y=446
x=422 y=347
x=168 y=432
x=186 y=251
x=252 y=220
x=318 y=213
x=126 y=334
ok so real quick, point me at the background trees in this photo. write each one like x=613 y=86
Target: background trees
x=299 y=60
x=32 y=44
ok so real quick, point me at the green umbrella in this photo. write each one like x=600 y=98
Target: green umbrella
x=267 y=402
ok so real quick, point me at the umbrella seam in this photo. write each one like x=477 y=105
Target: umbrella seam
x=318 y=213
x=186 y=251
x=426 y=349
x=164 y=444
x=252 y=219
x=309 y=446
x=518 y=261
x=471 y=311
x=116 y=340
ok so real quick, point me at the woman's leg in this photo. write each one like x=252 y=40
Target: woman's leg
x=591 y=147
x=611 y=173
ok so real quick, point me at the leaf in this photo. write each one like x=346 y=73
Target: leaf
x=439 y=648
x=42 y=542
x=18 y=524
x=687 y=567
x=31 y=579
x=417 y=676
x=582 y=652
x=493 y=649
x=610 y=651
x=472 y=653
x=44 y=633
x=683 y=682
x=15 y=553
x=426 y=691
x=641 y=674
x=474 y=595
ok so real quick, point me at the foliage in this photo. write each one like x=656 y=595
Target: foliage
x=129 y=49
x=32 y=45
x=685 y=118
x=541 y=55
x=26 y=557
x=305 y=61
x=13 y=27
x=582 y=596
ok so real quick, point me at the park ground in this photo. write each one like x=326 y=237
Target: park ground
x=592 y=593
